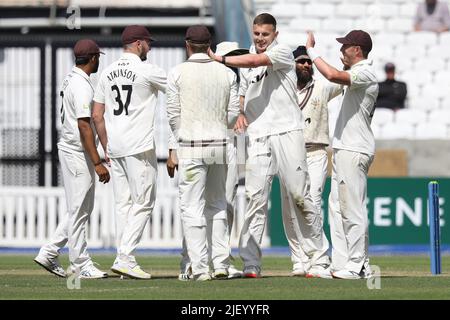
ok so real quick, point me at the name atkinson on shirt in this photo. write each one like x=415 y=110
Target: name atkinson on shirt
x=124 y=73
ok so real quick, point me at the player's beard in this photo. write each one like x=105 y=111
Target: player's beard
x=143 y=55
x=304 y=76
x=96 y=66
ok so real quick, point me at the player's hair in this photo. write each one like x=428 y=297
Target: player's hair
x=365 y=52
x=265 y=18
x=198 y=47
x=81 y=61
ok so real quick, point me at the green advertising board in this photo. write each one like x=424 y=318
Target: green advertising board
x=397 y=209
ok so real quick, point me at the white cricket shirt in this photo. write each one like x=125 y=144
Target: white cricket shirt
x=271 y=105
x=313 y=101
x=76 y=93
x=353 y=130
x=129 y=89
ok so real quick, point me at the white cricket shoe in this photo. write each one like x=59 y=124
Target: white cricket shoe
x=348 y=275
x=298 y=272
x=51 y=265
x=202 y=277
x=252 y=272
x=92 y=272
x=319 y=271
x=220 y=274
x=131 y=270
x=184 y=277
x=234 y=273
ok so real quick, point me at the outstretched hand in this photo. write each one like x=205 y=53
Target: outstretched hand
x=310 y=41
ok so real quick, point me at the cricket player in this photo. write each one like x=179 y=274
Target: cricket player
x=123 y=112
x=225 y=48
x=202 y=103
x=313 y=96
x=353 y=151
x=80 y=162
x=274 y=124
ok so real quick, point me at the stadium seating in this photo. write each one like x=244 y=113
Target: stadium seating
x=422 y=58
x=397 y=131
x=429 y=130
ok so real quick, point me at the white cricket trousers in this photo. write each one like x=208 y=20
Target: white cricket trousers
x=283 y=154
x=78 y=177
x=232 y=182
x=317 y=161
x=203 y=209
x=134 y=185
x=347 y=210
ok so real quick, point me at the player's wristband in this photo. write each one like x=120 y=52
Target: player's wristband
x=97 y=163
x=312 y=54
x=223 y=60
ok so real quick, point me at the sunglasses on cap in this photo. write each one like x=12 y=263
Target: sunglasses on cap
x=303 y=60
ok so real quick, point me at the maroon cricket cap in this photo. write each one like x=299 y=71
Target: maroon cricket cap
x=198 y=34
x=85 y=48
x=134 y=32
x=358 y=38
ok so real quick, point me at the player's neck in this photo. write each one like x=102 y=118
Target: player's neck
x=301 y=85
x=86 y=68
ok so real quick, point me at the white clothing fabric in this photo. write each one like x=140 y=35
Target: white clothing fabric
x=271 y=105
x=202 y=103
x=129 y=89
x=76 y=93
x=232 y=182
x=78 y=177
x=348 y=211
x=313 y=101
x=205 y=106
x=203 y=207
x=353 y=132
x=268 y=156
x=77 y=171
x=134 y=185
x=317 y=170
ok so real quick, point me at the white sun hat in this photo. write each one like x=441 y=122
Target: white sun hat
x=229 y=48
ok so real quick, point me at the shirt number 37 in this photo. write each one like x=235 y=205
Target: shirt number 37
x=122 y=106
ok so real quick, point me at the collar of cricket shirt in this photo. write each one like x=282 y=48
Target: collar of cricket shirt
x=131 y=56
x=273 y=44
x=199 y=56
x=309 y=84
x=80 y=72
x=362 y=62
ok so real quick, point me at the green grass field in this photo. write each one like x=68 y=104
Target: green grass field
x=402 y=277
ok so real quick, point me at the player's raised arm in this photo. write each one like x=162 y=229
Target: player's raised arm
x=328 y=71
x=250 y=60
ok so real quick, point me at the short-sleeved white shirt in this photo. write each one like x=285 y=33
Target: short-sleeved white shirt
x=129 y=89
x=353 y=130
x=76 y=93
x=270 y=96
